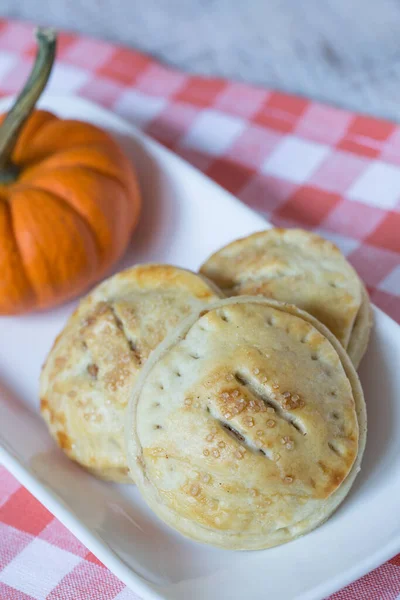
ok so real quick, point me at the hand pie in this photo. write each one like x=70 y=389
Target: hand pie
x=93 y=365
x=247 y=425
x=293 y=265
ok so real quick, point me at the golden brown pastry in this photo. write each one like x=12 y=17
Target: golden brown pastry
x=89 y=374
x=247 y=425
x=296 y=266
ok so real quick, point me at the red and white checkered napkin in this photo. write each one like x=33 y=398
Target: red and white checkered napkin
x=295 y=161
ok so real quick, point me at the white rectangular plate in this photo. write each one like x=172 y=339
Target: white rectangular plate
x=185 y=218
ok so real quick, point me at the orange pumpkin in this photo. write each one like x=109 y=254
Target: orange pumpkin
x=69 y=200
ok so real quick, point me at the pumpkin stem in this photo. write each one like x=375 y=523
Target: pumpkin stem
x=25 y=102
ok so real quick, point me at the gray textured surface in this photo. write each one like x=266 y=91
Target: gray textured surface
x=346 y=52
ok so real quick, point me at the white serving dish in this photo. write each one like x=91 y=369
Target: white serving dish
x=186 y=216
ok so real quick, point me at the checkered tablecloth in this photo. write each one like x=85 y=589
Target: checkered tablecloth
x=295 y=161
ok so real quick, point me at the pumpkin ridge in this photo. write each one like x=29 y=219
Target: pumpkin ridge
x=131 y=207
x=96 y=170
x=33 y=163
x=97 y=269
x=29 y=133
x=93 y=170
x=57 y=197
x=121 y=184
x=72 y=122
x=103 y=252
x=100 y=172
x=21 y=256
x=51 y=117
